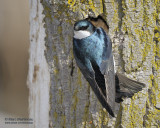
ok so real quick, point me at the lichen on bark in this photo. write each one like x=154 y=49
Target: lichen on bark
x=134 y=31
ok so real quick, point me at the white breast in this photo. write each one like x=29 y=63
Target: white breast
x=81 y=34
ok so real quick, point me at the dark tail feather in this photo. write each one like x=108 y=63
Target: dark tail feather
x=126 y=87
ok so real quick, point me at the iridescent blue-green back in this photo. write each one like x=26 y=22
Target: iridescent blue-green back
x=94 y=48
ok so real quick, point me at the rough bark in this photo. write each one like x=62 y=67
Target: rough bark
x=38 y=75
x=134 y=31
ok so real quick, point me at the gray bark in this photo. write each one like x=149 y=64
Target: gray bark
x=134 y=29
x=38 y=75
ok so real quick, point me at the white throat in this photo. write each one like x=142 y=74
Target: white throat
x=81 y=34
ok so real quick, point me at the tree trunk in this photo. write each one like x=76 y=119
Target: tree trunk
x=134 y=30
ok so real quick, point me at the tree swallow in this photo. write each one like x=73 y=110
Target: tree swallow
x=92 y=50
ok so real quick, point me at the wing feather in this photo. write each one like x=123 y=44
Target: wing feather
x=98 y=90
x=110 y=83
x=100 y=76
x=107 y=69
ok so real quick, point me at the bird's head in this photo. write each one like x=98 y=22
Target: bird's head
x=83 y=29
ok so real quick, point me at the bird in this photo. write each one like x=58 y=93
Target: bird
x=92 y=49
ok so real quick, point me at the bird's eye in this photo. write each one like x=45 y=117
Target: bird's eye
x=83 y=27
